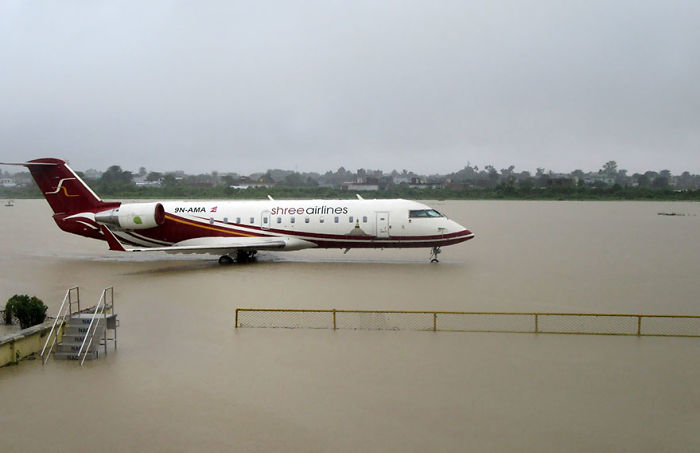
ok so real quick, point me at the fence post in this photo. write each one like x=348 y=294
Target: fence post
x=434 y=322
x=236 y=326
x=334 y=328
x=639 y=325
x=537 y=327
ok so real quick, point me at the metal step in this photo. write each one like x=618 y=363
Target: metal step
x=75 y=347
x=74 y=355
x=79 y=338
x=82 y=329
x=87 y=316
x=79 y=321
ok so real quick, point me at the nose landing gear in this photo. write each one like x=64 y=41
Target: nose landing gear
x=434 y=254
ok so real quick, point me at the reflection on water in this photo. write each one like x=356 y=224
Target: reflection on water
x=184 y=379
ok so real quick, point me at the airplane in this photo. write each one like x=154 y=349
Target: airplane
x=237 y=230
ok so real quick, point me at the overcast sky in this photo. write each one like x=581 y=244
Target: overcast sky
x=422 y=85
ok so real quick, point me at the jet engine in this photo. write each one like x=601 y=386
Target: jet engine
x=133 y=216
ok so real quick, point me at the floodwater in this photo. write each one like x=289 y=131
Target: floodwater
x=183 y=379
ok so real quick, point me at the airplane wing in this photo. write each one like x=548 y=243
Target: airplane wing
x=206 y=245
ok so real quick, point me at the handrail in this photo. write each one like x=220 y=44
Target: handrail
x=77 y=299
x=102 y=302
x=62 y=318
x=440 y=312
x=537 y=318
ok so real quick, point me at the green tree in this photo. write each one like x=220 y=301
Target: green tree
x=660 y=182
x=642 y=180
x=293 y=180
x=115 y=179
x=610 y=168
x=30 y=311
x=169 y=180
x=154 y=176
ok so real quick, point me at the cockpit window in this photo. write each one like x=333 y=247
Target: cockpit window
x=424 y=213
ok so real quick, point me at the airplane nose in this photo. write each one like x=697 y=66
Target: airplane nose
x=461 y=232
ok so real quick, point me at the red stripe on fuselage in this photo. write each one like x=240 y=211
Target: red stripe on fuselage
x=388 y=243
x=176 y=229
x=310 y=236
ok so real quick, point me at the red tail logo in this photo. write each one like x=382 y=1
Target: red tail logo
x=60 y=186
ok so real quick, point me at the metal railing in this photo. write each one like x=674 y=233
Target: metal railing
x=63 y=313
x=100 y=309
x=460 y=321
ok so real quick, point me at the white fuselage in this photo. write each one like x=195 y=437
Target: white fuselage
x=318 y=223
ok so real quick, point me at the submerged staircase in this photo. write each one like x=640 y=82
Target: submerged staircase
x=83 y=333
x=76 y=333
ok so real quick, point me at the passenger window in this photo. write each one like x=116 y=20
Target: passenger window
x=351 y=219
x=211 y=220
x=238 y=220
x=279 y=219
x=337 y=219
x=320 y=220
x=225 y=219
x=264 y=219
x=306 y=220
x=252 y=220
x=292 y=220
x=364 y=219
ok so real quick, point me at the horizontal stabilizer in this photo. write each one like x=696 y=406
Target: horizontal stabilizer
x=28 y=164
x=113 y=242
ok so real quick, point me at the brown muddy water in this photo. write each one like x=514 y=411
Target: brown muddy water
x=183 y=379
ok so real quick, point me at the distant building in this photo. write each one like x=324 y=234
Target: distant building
x=561 y=181
x=144 y=183
x=402 y=179
x=247 y=182
x=91 y=173
x=7 y=182
x=359 y=187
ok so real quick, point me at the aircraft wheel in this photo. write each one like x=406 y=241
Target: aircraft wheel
x=434 y=260
x=225 y=260
x=245 y=256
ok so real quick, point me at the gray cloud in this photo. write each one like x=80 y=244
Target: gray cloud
x=245 y=86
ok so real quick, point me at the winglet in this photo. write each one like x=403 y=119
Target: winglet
x=114 y=244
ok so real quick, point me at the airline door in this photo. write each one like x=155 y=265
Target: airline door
x=382 y=224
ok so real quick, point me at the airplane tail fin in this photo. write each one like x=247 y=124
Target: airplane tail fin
x=62 y=187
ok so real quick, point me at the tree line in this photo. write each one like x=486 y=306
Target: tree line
x=471 y=182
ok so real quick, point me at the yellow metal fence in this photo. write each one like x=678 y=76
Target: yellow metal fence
x=457 y=321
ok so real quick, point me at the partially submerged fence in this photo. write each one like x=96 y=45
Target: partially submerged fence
x=454 y=321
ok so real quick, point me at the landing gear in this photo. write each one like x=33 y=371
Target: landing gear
x=434 y=254
x=241 y=256
x=245 y=256
x=225 y=260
